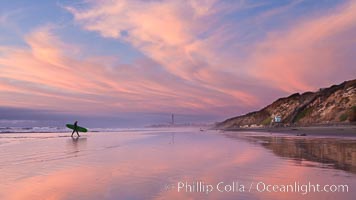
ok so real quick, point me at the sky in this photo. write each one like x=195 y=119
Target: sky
x=135 y=62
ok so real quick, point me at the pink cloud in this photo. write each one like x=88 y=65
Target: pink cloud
x=167 y=32
x=193 y=61
x=47 y=75
x=309 y=53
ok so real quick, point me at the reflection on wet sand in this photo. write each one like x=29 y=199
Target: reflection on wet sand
x=329 y=152
x=75 y=144
x=149 y=166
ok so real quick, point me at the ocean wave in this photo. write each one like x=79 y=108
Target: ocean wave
x=64 y=129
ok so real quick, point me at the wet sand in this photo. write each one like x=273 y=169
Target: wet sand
x=151 y=164
x=339 y=131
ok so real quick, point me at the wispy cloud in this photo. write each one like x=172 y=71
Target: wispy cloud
x=169 y=32
x=198 y=57
x=48 y=75
x=309 y=52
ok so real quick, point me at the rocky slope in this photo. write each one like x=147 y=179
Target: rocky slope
x=333 y=105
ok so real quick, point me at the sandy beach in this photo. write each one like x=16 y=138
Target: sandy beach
x=162 y=163
x=327 y=131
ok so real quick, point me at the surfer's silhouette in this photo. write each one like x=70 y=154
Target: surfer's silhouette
x=75 y=129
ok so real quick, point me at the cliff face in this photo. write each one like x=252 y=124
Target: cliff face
x=333 y=105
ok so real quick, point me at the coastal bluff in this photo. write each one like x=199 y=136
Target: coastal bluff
x=328 y=106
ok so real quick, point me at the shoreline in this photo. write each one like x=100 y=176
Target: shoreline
x=342 y=131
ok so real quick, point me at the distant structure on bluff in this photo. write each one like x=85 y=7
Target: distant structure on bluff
x=328 y=106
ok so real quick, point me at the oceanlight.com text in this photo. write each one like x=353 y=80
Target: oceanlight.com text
x=261 y=187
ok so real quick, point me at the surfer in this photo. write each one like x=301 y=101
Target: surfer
x=75 y=129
